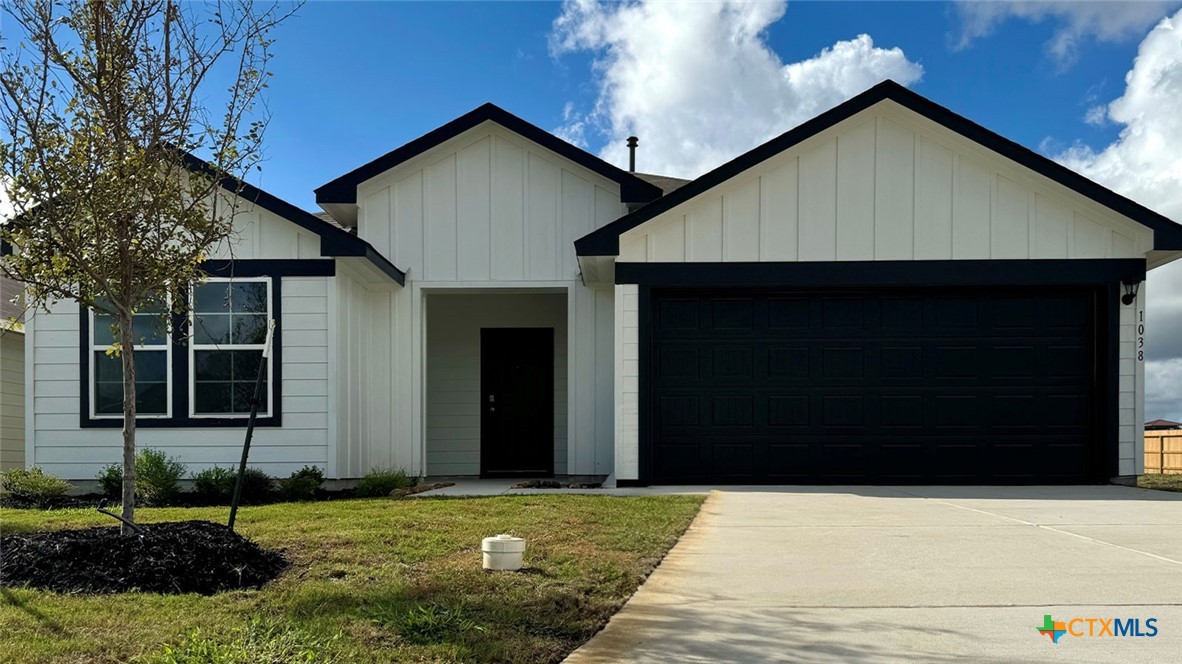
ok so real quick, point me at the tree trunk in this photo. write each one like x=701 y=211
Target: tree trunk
x=127 y=344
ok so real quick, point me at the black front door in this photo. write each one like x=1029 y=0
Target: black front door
x=516 y=401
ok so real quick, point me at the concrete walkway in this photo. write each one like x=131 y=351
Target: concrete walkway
x=931 y=574
x=469 y=487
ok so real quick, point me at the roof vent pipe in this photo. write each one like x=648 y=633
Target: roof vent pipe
x=632 y=143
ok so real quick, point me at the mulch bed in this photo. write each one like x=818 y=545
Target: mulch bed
x=171 y=558
x=54 y=503
x=555 y=484
x=419 y=488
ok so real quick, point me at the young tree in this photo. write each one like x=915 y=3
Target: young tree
x=102 y=102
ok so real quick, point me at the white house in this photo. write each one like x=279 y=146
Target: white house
x=887 y=293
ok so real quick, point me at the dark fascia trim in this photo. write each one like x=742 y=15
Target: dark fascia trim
x=1167 y=235
x=180 y=357
x=1058 y=272
x=266 y=267
x=334 y=241
x=344 y=188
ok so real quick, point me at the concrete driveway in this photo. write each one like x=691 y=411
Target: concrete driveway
x=936 y=574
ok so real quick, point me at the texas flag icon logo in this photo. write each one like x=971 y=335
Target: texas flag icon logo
x=1052 y=628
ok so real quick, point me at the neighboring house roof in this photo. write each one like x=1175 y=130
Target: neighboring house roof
x=1163 y=424
x=327 y=218
x=334 y=240
x=666 y=184
x=343 y=190
x=1167 y=235
x=10 y=311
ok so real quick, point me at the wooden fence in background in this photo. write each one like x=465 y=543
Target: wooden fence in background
x=1163 y=451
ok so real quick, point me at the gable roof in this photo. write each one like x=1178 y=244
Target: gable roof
x=334 y=240
x=343 y=190
x=666 y=183
x=1167 y=235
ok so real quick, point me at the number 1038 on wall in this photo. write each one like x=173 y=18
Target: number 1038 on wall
x=1141 y=336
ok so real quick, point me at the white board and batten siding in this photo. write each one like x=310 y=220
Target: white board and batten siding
x=491 y=210
x=60 y=446
x=485 y=206
x=888 y=185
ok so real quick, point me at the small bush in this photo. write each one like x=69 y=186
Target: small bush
x=214 y=486
x=257 y=487
x=381 y=481
x=302 y=484
x=157 y=478
x=33 y=485
x=111 y=481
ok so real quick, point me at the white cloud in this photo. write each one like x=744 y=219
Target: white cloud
x=1108 y=21
x=698 y=83
x=1097 y=116
x=1145 y=164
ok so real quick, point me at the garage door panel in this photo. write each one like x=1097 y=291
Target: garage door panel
x=887 y=386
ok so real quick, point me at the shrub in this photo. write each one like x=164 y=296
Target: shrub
x=33 y=485
x=111 y=481
x=381 y=481
x=214 y=485
x=302 y=484
x=156 y=478
x=257 y=487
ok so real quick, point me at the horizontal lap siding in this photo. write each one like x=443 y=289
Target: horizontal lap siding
x=12 y=400
x=65 y=449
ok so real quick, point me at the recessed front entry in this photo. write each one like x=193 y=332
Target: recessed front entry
x=516 y=402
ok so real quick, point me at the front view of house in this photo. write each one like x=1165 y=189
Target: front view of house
x=887 y=293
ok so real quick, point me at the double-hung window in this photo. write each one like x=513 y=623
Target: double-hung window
x=229 y=330
x=153 y=355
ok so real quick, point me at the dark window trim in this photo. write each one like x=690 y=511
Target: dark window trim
x=1167 y=235
x=1106 y=448
x=343 y=190
x=276 y=270
x=1054 y=272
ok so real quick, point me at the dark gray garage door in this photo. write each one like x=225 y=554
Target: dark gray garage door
x=860 y=387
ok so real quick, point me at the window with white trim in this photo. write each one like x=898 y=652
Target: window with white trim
x=229 y=331
x=153 y=360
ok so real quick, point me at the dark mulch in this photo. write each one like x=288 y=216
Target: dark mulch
x=171 y=558
x=555 y=484
x=419 y=488
x=54 y=503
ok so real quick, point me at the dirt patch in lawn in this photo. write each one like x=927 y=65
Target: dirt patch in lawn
x=171 y=558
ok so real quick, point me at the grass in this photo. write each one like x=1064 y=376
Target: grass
x=1160 y=482
x=372 y=581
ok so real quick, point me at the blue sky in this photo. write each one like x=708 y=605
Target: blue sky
x=354 y=80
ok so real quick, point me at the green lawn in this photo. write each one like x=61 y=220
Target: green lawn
x=1160 y=482
x=371 y=581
